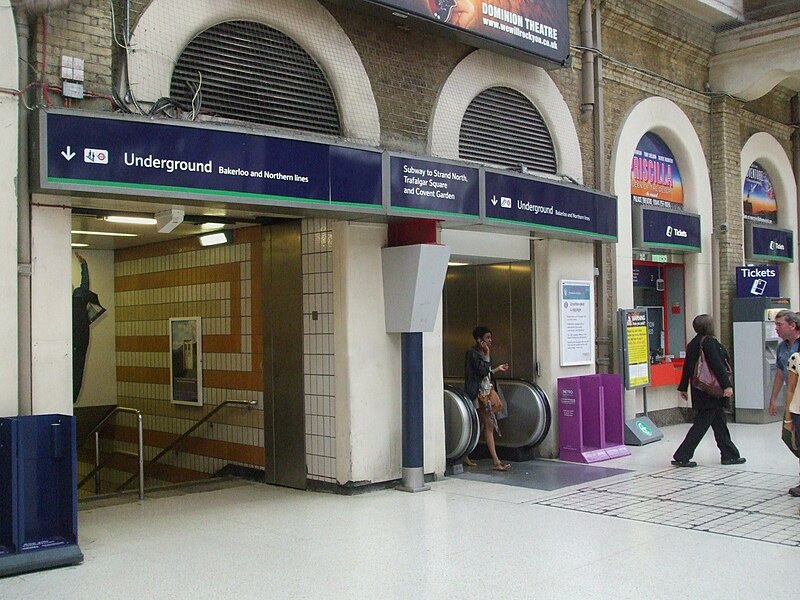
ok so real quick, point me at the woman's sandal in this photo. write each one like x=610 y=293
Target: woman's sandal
x=502 y=467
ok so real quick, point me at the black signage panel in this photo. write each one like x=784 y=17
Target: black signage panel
x=152 y=158
x=664 y=229
x=548 y=206
x=645 y=276
x=539 y=28
x=434 y=188
x=768 y=243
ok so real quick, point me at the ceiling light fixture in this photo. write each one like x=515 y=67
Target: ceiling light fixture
x=79 y=245
x=130 y=220
x=214 y=239
x=211 y=226
x=167 y=220
x=457 y=264
x=106 y=233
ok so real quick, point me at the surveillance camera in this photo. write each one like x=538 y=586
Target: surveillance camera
x=723 y=228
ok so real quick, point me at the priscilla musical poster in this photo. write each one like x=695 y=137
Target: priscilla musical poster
x=655 y=179
x=758 y=196
x=539 y=27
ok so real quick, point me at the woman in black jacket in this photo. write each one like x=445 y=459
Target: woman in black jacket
x=709 y=411
x=477 y=365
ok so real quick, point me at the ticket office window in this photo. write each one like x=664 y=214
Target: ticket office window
x=659 y=287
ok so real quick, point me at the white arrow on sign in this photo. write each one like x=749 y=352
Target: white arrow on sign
x=69 y=154
x=494 y=198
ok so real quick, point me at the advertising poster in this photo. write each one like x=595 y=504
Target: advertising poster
x=635 y=347
x=186 y=373
x=655 y=179
x=758 y=196
x=538 y=27
x=577 y=323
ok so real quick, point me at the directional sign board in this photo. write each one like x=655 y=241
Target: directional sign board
x=433 y=188
x=171 y=159
x=116 y=155
x=547 y=206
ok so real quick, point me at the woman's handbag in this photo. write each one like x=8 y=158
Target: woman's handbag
x=488 y=394
x=704 y=378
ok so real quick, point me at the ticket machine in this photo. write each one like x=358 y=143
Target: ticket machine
x=755 y=346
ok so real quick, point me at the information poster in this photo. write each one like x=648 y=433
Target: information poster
x=635 y=347
x=186 y=373
x=577 y=323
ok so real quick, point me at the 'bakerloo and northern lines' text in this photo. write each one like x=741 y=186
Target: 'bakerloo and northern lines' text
x=170 y=165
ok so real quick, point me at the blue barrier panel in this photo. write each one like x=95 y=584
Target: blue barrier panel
x=8 y=483
x=40 y=472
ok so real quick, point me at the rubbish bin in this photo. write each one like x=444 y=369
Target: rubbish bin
x=39 y=503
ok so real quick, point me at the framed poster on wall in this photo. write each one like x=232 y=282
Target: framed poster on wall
x=577 y=323
x=186 y=361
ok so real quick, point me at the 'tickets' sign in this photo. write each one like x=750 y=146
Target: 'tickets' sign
x=758 y=196
x=655 y=179
x=655 y=228
x=768 y=243
x=757 y=281
x=540 y=28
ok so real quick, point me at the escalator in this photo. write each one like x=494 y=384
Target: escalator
x=526 y=426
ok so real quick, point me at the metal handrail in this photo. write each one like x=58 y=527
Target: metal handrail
x=184 y=435
x=101 y=466
x=96 y=432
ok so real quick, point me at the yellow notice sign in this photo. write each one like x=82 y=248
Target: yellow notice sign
x=638 y=350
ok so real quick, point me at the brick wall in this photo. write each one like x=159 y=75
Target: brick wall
x=82 y=30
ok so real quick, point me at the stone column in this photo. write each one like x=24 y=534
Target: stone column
x=726 y=186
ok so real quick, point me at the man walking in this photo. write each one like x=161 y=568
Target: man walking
x=787 y=326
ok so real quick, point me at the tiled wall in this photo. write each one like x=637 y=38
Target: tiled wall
x=222 y=286
x=317 y=250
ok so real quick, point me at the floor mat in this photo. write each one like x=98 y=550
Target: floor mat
x=547 y=475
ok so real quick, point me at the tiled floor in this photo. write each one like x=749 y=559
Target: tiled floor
x=651 y=531
x=716 y=499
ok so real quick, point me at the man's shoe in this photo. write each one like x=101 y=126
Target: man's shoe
x=795 y=491
x=734 y=461
x=684 y=463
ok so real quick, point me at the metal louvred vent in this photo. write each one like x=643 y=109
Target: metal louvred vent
x=502 y=127
x=251 y=72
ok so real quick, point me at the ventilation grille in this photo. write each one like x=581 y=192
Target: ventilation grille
x=251 y=72
x=502 y=127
